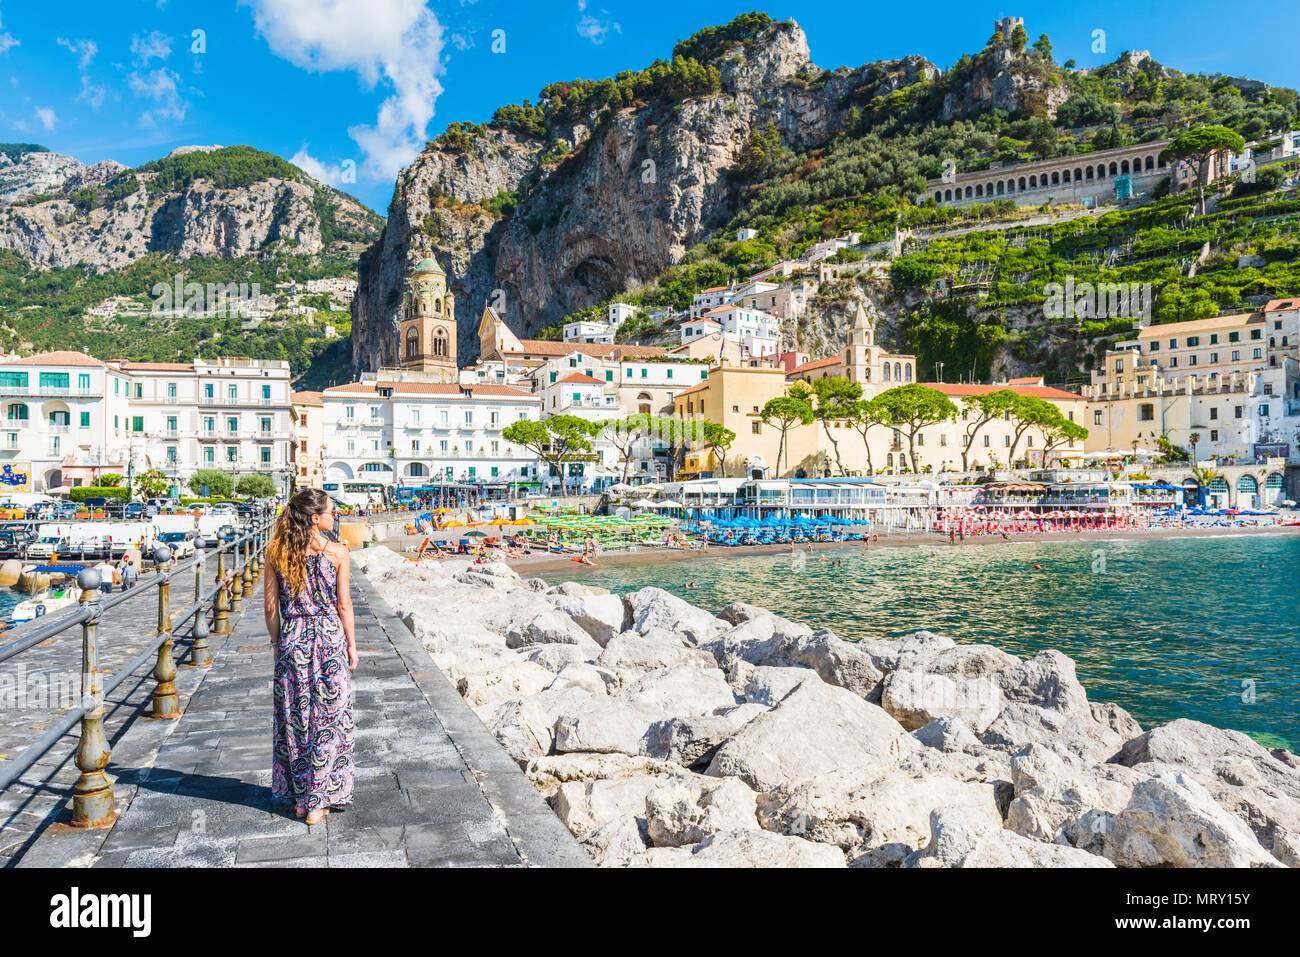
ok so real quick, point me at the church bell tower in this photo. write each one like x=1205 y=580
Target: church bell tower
x=428 y=326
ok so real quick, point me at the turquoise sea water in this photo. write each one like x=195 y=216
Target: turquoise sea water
x=1174 y=628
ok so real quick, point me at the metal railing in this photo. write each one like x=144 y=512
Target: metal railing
x=92 y=795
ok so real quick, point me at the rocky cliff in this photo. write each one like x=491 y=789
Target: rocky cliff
x=609 y=201
x=234 y=202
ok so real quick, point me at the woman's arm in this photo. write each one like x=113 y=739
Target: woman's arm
x=271 y=602
x=343 y=602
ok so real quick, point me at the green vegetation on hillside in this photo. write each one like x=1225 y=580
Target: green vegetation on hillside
x=46 y=309
x=15 y=150
x=227 y=168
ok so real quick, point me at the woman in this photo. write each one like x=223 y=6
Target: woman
x=308 y=606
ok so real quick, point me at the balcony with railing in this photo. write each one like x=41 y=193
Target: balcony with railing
x=51 y=391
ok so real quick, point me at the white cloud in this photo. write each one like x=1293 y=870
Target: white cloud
x=396 y=42
x=7 y=42
x=163 y=87
x=594 y=29
x=47 y=117
x=330 y=175
x=84 y=49
x=155 y=46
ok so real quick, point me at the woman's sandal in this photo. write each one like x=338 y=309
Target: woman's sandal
x=320 y=816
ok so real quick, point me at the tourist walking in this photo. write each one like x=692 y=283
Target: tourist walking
x=106 y=576
x=129 y=575
x=308 y=607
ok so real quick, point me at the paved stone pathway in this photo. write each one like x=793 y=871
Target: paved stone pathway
x=433 y=787
x=42 y=683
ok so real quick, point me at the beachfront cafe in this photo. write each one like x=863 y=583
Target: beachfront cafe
x=725 y=499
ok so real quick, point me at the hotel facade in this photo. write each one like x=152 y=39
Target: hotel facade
x=70 y=418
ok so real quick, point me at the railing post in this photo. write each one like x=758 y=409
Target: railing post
x=248 y=568
x=166 y=703
x=92 y=795
x=236 y=580
x=200 y=657
x=221 y=616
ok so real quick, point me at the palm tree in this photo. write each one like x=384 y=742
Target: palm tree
x=1194 y=439
x=1205 y=476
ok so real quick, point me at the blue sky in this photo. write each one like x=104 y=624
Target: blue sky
x=351 y=89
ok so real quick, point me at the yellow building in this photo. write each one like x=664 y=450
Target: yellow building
x=308 y=439
x=734 y=396
x=1229 y=380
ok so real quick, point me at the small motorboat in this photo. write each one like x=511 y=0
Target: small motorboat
x=46 y=601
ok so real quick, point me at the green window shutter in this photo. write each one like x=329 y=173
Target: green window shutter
x=85 y=420
x=137 y=423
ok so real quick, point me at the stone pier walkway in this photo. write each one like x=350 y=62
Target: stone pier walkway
x=433 y=787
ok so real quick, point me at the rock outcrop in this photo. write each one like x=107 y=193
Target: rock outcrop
x=57 y=212
x=607 y=201
x=664 y=736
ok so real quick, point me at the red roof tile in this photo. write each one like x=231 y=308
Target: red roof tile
x=55 y=359
x=580 y=377
x=817 y=364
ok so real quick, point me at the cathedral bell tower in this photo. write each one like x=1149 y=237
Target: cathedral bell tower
x=428 y=325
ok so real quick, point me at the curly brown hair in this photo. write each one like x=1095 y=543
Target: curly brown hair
x=291 y=537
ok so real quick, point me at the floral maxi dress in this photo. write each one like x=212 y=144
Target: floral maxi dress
x=312 y=693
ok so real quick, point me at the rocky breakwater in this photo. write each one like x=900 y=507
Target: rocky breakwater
x=663 y=735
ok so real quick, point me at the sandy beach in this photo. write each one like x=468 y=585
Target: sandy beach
x=540 y=563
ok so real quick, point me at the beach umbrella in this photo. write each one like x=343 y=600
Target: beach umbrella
x=476 y=534
x=649 y=487
x=453 y=524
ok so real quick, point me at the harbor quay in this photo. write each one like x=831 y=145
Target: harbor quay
x=191 y=786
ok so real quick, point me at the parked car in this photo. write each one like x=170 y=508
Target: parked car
x=227 y=533
x=201 y=508
x=223 y=508
x=181 y=543
x=45 y=547
x=66 y=510
x=134 y=510
x=244 y=510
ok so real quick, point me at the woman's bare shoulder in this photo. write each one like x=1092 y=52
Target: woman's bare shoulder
x=337 y=551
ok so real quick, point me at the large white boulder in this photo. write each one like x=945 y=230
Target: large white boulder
x=682 y=690
x=693 y=740
x=631 y=655
x=817 y=728
x=549 y=772
x=767 y=685
x=525 y=727
x=690 y=809
x=653 y=609
x=518 y=679
x=1259 y=786
x=882 y=810
x=549 y=627
x=600 y=616
x=967 y=836
x=617 y=843
x=587 y=806
x=910 y=651
x=916 y=698
x=602 y=723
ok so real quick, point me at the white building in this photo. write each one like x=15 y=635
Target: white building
x=590 y=330
x=711 y=298
x=71 y=417
x=758 y=332
x=231 y=414
x=416 y=433
x=745 y=235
